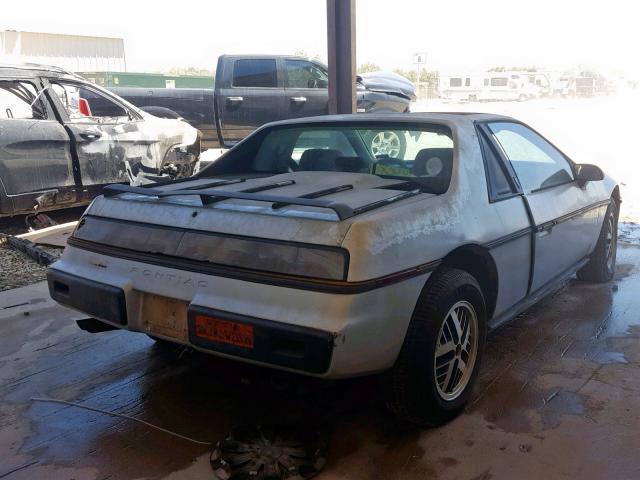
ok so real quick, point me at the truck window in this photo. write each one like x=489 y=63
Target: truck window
x=88 y=105
x=455 y=82
x=257 y=72
x=467 y=82
x=16 y=99
x=499 y=81
x=304 y=74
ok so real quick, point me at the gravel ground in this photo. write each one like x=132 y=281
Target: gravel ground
x=18 y=269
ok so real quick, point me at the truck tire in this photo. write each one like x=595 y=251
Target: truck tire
x=602 y=264
x=387 y=142
x=434 y=374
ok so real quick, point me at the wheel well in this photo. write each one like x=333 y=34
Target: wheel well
x=478 y=262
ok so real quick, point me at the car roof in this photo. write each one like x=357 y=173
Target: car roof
x=410 y=117
x=34 y=69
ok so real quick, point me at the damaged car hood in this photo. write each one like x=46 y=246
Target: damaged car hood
x=388 y=82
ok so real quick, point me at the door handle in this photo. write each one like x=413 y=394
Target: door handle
x=235 y=99
x=546 y=228
x=90 y=136
x=298 y=99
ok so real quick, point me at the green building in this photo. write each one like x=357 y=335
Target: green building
x=147 y=80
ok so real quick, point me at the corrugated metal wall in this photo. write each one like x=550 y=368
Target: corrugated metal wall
x=72 y=52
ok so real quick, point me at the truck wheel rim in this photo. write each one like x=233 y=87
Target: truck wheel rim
x=386 y=143
x=456 y=350
x=611 y=241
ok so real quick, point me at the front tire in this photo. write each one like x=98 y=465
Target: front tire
x=434 y=374
x=602 y=264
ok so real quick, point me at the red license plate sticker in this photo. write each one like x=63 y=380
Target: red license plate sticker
x=224 y=331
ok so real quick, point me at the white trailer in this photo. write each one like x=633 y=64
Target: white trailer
x=489 y=86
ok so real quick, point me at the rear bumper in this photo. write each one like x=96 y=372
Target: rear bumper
x=278 y=344
x=329 y=335
x=94 y=298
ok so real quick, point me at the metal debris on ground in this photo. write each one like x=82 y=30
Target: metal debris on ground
x=39 y=254
x=268 y=453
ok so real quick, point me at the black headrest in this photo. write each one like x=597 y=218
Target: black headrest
x=352 y=164
x=433 y=162
x=319 y=159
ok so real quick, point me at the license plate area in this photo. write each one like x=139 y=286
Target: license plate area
x=265 y=341
x=165 y=316
x=224 y=331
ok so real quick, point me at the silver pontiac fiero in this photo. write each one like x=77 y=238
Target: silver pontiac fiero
x=342 y=246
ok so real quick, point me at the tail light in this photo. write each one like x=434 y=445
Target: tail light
x=83 y=106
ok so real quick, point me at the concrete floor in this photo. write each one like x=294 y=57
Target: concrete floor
x=557 y=398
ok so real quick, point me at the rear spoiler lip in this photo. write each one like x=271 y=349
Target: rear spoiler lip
x=207 y=197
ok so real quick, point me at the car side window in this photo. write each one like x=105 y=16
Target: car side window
x=87 y=106
x=497 y=181
x=255 y=72
x=304 y=74
x=536 y=162
x=20 y=100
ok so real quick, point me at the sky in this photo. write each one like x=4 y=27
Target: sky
x=455 y=34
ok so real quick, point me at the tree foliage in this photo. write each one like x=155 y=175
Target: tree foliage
x=368 y=67
x=429 y=77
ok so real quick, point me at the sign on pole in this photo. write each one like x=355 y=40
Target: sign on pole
x=420 y=58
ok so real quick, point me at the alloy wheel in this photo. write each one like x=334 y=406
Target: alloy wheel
x=386 y=143
x=456 y=350
x=611 y=241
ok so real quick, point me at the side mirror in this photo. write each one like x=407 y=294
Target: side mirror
x=588 y=173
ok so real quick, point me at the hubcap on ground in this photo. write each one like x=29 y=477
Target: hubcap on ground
x=456 y=350
x=386 y=143
x=268 y=453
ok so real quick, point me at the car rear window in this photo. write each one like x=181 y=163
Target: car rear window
x=258 y=72
x=423 y=154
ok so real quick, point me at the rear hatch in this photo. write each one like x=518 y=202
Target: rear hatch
x=308 y=207
x=288 y=224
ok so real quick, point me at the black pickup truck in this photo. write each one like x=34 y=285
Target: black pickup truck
x=251 y=90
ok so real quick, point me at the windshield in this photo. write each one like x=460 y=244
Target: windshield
x=421 y=155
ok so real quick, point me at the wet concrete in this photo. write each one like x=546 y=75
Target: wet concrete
x=557 y=397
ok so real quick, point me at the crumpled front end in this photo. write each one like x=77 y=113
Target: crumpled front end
x=176 y=146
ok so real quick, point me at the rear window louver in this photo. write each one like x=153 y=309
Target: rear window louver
x=208 y=197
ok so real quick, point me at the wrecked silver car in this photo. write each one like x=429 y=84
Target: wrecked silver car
x=301 y=249
x=62 y=139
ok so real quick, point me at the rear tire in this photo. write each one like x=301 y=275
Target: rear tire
x=602 y=264
x=434 y=374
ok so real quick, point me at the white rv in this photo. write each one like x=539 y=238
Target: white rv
x=496 y=86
